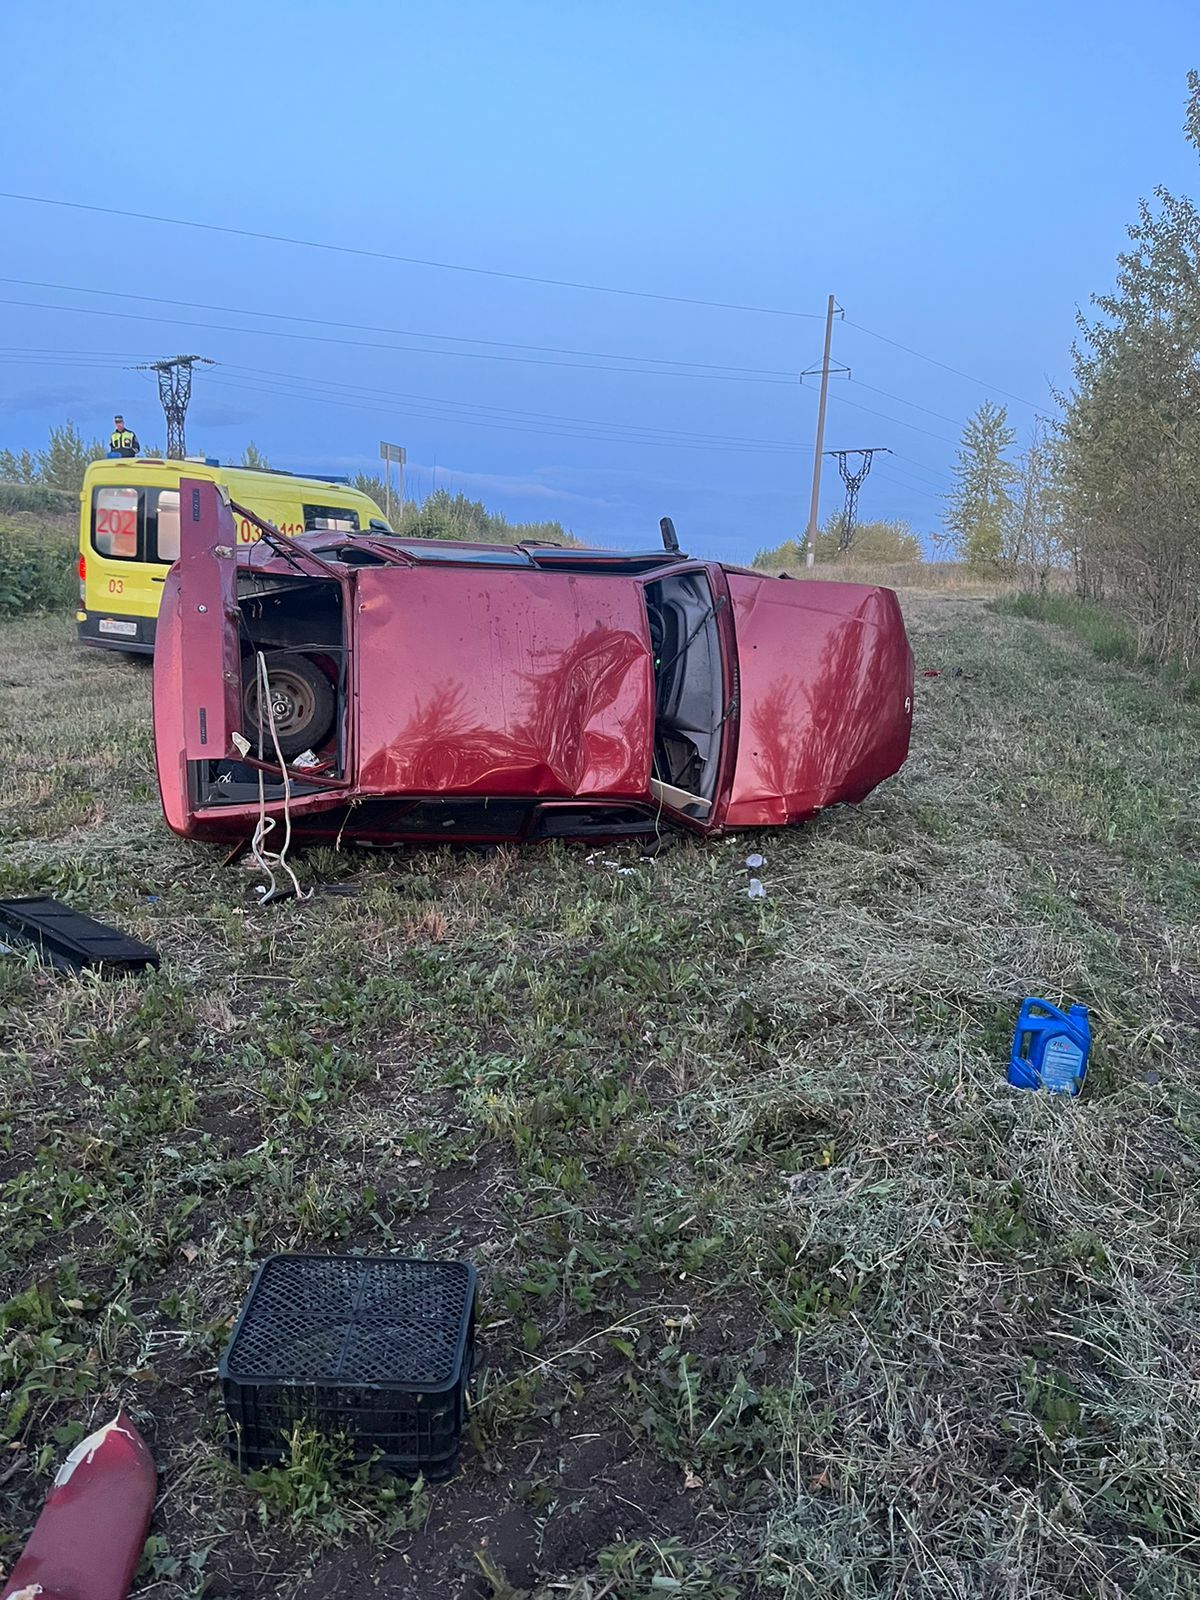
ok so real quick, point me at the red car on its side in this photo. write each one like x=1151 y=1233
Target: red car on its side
x=424 y=690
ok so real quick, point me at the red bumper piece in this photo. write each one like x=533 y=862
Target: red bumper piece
x=88 y=1540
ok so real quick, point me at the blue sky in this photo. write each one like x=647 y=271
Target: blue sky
x=959 y=175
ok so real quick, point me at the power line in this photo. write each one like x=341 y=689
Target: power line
x=368 y=344
x=412 y=261
x=548 y=430
x=509 y=411
x=390 y=394
x=44 y=350
x=896 y=421
x=957 y=371
x=399 y=333
x=632 y=432
x=887 y=395
x=302 y=386
x=922 y=466
x=901 y=477
x=520 y=277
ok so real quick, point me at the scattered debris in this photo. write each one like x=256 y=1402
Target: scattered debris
x=1050 y=1048
x=932 y=672
x=612 y=866
x=755 y=862
x=88 y=1540
x=756 y=890
x=393 y=1379
x=69 y=941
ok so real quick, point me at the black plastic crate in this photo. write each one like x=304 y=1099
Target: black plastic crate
x=375 y=1349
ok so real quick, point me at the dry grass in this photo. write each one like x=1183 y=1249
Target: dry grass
x=786 y=1293
x=923 y=577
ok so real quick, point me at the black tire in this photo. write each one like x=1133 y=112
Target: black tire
x=303 y=701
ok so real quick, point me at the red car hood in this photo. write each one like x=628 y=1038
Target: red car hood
x=502 y=683
x=825 y=693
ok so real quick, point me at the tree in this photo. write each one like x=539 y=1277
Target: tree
x=889 y=540
x=14 y=468
x=979 y=505
x=443 y=515
x=882 y=541
x=1033 y=530
x=60 y=465
x=253 y=457
x=63 y=462
x=1131 y=433
x=372 y=484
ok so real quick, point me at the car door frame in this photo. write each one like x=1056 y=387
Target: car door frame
x=730 y=694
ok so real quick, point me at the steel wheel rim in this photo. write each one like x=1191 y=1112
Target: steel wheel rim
x=292 y=700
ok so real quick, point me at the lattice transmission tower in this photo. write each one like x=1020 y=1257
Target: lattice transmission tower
x=175 y=390
x=853 y=479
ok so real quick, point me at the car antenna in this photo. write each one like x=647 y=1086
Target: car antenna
x=667 y=528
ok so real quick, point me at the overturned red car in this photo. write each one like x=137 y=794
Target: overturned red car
x=388 y=690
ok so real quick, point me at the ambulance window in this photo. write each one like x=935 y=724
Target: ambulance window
x=115 y=523
x=165 y=531
x=330 y=519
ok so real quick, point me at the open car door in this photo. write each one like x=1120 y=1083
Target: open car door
x=694 y=693
x=203 y=586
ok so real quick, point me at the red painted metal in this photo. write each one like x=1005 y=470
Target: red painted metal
x=528 y=675
x=88 y=1540
x=826 y=696
x=502 y=683
x=203 y=583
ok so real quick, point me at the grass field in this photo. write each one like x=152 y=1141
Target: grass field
x=785 y=1293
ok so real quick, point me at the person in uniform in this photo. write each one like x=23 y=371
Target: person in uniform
x=123 y=441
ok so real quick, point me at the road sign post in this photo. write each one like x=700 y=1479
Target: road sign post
x=390 y=453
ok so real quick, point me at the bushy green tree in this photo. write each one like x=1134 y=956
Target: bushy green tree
x=452 y=516
x=18 y=467
x=1131 y=433
x=252 y=456
x=60 y=465
x=1034 y=540
x=372 y=484
x=979 y=506
x=874 y=542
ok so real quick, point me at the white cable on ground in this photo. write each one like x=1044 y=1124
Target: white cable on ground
x=266 y=860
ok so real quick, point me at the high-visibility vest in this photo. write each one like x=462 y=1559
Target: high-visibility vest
x=123 y=439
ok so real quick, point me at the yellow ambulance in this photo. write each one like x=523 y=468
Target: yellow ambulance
x=129 y=532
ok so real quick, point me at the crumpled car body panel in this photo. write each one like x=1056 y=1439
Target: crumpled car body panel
x=826 y=696
x=502 y=683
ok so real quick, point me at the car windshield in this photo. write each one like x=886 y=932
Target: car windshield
x=687 y=691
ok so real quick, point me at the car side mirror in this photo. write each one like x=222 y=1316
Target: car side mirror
x=667 y=528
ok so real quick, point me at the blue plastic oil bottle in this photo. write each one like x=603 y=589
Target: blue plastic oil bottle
x=1050 y=1048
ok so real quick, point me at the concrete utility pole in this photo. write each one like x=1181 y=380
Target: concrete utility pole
x=175 y=390
x=814 y=503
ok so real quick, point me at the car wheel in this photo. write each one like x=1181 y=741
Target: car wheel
x=302 y=702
